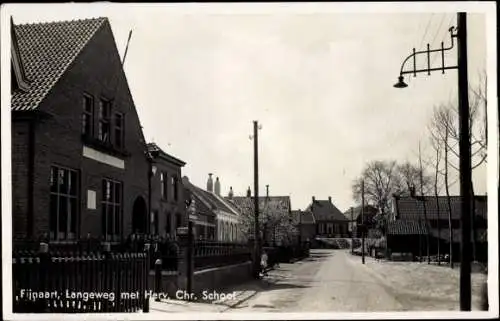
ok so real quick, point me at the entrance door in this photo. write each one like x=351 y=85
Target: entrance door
x=139 y=216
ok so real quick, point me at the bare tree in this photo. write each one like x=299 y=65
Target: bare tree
x=478 y=138
x=422 y=196
x=439 y=129
x=437 y=160
x=381 y=180
x=414 y=176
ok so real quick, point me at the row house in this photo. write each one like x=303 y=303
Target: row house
x=330 y=222
x=78 y=151
x=168 y=207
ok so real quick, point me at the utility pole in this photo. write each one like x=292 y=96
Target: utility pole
x=464 y=144
x=465 y=163
x=257 y=242
x=363 y=221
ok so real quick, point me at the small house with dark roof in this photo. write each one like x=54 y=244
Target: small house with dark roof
x=78 y=150
x=167 y=193
x=420 y=217
x=330 y=222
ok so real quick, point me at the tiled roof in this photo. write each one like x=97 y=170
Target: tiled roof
x=202 y=207
x=307 y=217
x=47 y=50
x=370 y=211
x=404 y=227
x=324 y=210
x=210 y=200
x=409 y=208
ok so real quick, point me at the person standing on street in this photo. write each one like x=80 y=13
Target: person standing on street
x=263 y=263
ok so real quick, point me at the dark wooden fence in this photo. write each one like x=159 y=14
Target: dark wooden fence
x=55 y=281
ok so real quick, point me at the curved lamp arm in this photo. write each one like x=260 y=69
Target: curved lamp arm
x=402 y=72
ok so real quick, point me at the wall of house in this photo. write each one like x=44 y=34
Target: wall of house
x=332 y=228
x=171 y=212
x=96 y=71
x=227 y=227
x=20 y=160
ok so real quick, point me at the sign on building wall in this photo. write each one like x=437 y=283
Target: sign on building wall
x=91 y=199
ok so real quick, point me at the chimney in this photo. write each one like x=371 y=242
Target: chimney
x=230 y=194
x=329 y=199
x=249 y=192
x=217 y=187
x=210 y=183
x=314 y=199
x=267 y=190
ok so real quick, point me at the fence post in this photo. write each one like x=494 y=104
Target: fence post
x=106 y=305
x=185 y=261
x=158 y=268
x=158 y=264
x=146 y=295
x=44 y=272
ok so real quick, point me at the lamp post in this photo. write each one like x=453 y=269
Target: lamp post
x=464 y=144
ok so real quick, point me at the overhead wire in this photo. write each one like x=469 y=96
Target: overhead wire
x=423 y=37
x=443 y=36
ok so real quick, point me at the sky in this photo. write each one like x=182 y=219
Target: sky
x=319 y=81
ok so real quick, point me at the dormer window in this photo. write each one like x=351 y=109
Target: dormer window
x=104 y=126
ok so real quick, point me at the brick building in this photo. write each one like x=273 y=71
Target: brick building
x=78 y=151
x=168 y=206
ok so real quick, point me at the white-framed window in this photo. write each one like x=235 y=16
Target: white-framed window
x=88 y=115
x=119 y=135
x=111 y=205
x=63 y=203
x=104 y=121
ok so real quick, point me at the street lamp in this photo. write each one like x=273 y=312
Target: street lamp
x=401 y=83
x=464 y=144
